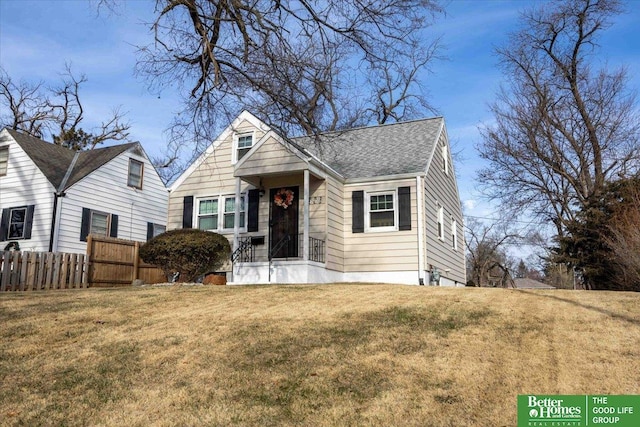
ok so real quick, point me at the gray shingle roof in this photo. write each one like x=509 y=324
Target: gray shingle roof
x=54 y=160
x=382 y=150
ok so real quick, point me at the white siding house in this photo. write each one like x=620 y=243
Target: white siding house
x=66 y=195
x=356 y=205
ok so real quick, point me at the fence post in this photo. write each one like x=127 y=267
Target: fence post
x=49 y=279
x=6 y=268
x=23 y=270
x=136 y=261
x=15 y=274
x=89 y=260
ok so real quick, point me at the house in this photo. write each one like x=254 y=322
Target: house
x=52 y=198
x=375 y=204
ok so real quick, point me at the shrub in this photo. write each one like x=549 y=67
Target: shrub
x=190 y=252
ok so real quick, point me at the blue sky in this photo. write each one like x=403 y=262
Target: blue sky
x=38 y=37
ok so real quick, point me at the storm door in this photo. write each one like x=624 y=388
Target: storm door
x=283 y=235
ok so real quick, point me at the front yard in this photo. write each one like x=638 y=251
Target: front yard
x=328 y=355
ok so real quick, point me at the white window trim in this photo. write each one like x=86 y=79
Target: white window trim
x=445 y=158
x=24 y=223
x=5 y=163
x=221 y=199
x=222 y=205
x=236 y=136
x=440 y=221
x=367 y=213
x=454 y=234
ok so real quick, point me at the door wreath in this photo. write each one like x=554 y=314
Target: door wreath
x=283 y=198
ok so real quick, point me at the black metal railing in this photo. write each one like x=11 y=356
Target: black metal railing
x=287 y=247
x=245 y=251
x=284 y=248
x=316 y=250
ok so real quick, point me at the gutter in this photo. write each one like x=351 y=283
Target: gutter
x=55 y=215
x=409 y=175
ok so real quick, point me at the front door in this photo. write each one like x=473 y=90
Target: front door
x=283 y=236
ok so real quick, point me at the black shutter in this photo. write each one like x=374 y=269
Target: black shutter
x=4 y=224
x=404 y=208
x=149 y=231
x=86 y=223
x=28 y=222
x=187 y=212
x=114 y=226
x=357 y=212
x=252 y=214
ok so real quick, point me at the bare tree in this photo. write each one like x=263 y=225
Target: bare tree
x=26 y=107
x=485 y=251
x=562 y=128
x=56 y=112
x=301 y=66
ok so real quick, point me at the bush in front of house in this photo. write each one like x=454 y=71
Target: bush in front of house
x=189 y=252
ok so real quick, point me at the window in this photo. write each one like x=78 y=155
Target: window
x=440 y=223
x=218 y=213
x=445 y=158
x=17 y=219
x=244 y=142
x=208 y=214
x=16 y=222
x=100 y=223
x=229 y=212
x=454 y=234
x=135 y=174
x=381 y=212
x=4 y=160
x=154 y=230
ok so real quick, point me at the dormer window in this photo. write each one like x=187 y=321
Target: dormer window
x=244 y=142
x=135 y=174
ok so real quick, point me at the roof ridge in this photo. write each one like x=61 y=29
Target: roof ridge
x=376 y=126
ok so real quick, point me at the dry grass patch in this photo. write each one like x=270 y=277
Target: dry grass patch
x=307 y=355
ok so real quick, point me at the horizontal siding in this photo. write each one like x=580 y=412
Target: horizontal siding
x=440 y=189
x=106 y=190
x=215 y=177
x=211 y=178
x=317 y=208
x=335 y=225
x=24 y=184
x=380 y=251
x=270 y=157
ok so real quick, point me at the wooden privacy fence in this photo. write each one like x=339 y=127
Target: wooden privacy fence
x=116 y=262
x=34 y=271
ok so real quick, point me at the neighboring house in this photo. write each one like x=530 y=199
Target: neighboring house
x=52 y=198
x=377 y=204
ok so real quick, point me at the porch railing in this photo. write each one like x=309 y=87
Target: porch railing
x=246 y=251
x=316 y=250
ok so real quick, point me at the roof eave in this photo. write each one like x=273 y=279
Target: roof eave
x=394 y=177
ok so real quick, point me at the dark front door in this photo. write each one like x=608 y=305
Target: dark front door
x=283 y=242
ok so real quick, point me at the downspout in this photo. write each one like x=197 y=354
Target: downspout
x=55 y=217
x=420 y=212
